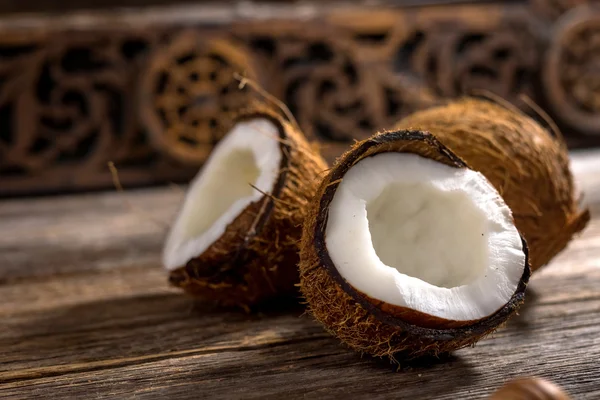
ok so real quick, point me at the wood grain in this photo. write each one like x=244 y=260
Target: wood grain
x=86 y=313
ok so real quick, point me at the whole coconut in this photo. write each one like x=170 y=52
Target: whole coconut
x=526 y=164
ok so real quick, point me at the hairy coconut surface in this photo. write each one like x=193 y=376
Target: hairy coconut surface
x=368 y=324
x=526 y=164
x=255 y=257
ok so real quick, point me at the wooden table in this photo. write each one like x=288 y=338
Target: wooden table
x=86 y=313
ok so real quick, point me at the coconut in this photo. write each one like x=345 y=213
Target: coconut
x=530 y=388
x=406 y=251
x=526 y=164
x=235 y=239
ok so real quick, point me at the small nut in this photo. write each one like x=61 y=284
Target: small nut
x=530 y=389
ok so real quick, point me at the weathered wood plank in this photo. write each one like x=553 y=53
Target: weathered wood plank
x=585 y=165
x=86 y=313
x=53 y=235
x=129 y=336
x=280 y=354
x=99 y=326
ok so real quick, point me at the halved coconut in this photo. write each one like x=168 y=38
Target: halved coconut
x=235 y=240
x=528 y=166
x=408 y=250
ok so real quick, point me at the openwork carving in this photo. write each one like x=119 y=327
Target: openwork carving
x=455 y=59
x=454 y=54
x=67 y=108
x=572 y=73
x=17 y=55
x=555 y=8
x=188 y=91
x=155 y=95
x=335 y=95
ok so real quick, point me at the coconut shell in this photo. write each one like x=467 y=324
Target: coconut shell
x=529 y=389
x=365 y=324
x=524 y=162
x=256 y=257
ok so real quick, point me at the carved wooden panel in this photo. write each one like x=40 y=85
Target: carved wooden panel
x=67 y=107
x=572 y=70
x=154 y=92
x=187 y=92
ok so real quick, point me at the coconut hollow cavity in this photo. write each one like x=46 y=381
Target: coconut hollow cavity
x=524 y=162
x=235 y=239
x=408 y=252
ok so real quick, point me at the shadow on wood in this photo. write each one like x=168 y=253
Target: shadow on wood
x=124 y=331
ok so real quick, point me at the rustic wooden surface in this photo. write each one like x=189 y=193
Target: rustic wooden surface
x=86 y=313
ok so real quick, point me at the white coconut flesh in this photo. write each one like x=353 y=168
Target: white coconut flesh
x=248 y=155
x=416 y=233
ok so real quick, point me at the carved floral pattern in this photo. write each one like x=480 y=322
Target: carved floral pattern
x=455 y=59
x=572 y=73
x=335 y=95
x=67 y=108
x=188 y=92
x=156 y=99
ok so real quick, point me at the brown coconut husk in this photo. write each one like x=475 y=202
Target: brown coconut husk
x=365 y=324
x=255 y=259
x=524 y=162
